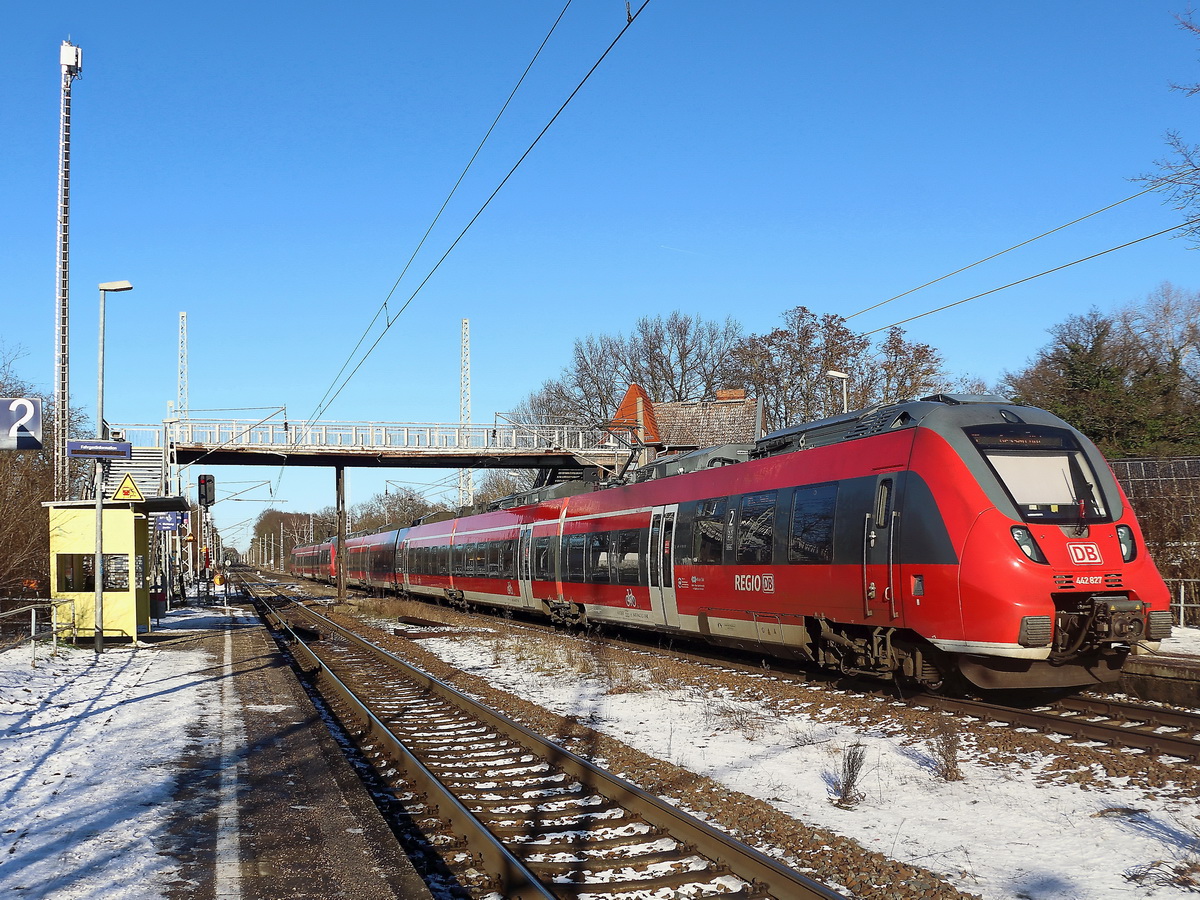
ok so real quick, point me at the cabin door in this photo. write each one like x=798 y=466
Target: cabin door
x=662 y=567
x=525 y=565
x=881 y=554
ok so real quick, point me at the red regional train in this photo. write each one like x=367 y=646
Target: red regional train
x=935 y=540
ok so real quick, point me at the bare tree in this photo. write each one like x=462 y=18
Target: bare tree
x=26 y=481
x=681 y=357
x=1166 y=326
x=398 y=508
x=903 y=369
x=1178 y=174
x=788 y=368
x=499 y=483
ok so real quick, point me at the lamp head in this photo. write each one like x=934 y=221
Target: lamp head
x=116 y=286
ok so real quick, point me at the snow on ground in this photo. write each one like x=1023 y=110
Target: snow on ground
x=89 y=746
x=999 y=832
x=88 y=752
x=1182 y=640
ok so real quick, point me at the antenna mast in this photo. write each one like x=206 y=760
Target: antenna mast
x=70 y=58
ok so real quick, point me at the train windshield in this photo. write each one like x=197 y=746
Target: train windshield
x=1044 y=470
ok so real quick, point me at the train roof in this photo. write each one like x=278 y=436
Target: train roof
x=819 y=433
x=864 y=423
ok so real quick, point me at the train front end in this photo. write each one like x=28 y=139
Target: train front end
x=1055 y=584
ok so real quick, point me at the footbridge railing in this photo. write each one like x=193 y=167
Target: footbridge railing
x=435 y=439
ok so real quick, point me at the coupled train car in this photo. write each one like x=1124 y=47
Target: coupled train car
x=936 y=540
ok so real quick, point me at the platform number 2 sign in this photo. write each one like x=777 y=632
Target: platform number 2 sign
x=20 y=423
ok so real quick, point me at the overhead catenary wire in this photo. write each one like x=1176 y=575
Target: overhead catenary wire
x=453 y=190
x=391 y=320
x=1155 y=185
x=1032 y=277
x=326 y=400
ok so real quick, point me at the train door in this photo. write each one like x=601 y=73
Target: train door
x=525 y=565
x=662 y=568
x=880 y=552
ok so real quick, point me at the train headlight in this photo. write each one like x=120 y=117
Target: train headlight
x=1024 y=538
x=1128 y=546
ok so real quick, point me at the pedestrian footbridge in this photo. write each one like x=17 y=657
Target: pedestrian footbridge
x=275 y=442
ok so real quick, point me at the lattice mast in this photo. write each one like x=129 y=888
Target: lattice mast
x=466 y=483
x=181 y=398
x=70 y=59
x=181 y=412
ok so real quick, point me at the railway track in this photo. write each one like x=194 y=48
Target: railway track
x=532 y=818
x=1114 y=723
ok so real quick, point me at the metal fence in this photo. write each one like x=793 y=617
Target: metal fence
x=38 y=620
x=1185 y=600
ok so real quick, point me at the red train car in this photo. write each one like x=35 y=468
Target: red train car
x=936 y=540
x=315 y=561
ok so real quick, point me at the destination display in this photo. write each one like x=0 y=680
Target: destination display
x=99 y=449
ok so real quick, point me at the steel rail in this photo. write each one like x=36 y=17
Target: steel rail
x=515 y=879
x=1073 y=726
x=1126 y=735
x=747 y=863
x=1152 y=715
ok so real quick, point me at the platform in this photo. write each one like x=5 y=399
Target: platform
x=1164 y=677
x=191 y=764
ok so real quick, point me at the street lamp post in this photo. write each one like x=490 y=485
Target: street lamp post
x=105 y=288
x=844 y=378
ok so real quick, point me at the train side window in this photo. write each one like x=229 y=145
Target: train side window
x=597 y=557
x=628 y=558
x=508 y=558
x=883 y=504
x=810 y=539
x=756 y=529
x=574 y=546
x=708 y=532
x=541 y=559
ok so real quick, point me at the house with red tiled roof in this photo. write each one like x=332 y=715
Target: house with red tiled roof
x=730 y=418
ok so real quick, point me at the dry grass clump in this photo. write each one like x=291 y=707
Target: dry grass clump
x=398 y=607
x=944 y=748
x=843 y=782
x=737 y=717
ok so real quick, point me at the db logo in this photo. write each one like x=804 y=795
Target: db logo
x=1085 y=554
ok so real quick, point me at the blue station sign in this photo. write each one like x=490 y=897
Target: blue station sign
x=169 y=521
x=20 y=423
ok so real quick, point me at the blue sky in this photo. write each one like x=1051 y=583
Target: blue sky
x=270 y=168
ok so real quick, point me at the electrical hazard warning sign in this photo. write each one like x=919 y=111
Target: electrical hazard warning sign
x=127 y=490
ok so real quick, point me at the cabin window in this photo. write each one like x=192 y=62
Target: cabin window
x=1044 y=470
x=756 y=529
x=810 y=539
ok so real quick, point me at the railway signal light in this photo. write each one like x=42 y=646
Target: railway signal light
x=207 y=490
